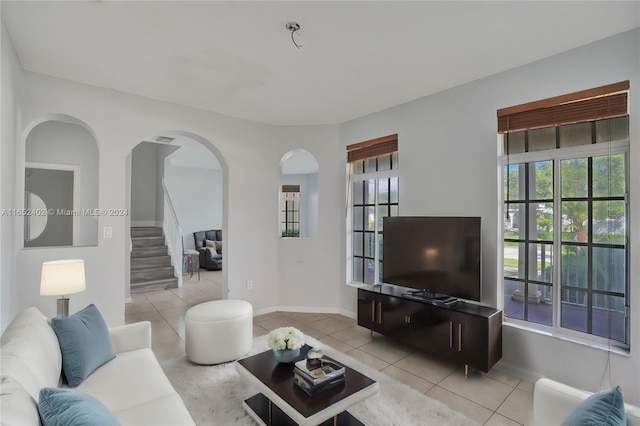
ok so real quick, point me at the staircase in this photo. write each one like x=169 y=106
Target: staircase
x=151 y=267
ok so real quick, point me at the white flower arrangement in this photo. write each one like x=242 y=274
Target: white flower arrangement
x=285 y=338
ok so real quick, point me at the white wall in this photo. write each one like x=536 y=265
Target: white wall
x=143 y=185
x=449 y=166
x=70 y=144
x=197 y=197
x=309 y=274
x=250 y=155
x=11 y=83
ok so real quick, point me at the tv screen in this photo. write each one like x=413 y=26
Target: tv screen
x=437 y=254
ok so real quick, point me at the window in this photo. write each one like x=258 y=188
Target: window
x=373 y=196
x=290 y=211
x=566 y=253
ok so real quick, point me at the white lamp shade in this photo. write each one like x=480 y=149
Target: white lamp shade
x=62 y=277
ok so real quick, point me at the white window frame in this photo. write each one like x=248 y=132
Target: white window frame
x=351 y=179
x=557 y=155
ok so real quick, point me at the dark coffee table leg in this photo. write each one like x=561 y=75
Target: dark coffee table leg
x=270 y=414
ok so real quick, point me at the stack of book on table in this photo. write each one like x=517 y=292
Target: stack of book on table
x=330 y=374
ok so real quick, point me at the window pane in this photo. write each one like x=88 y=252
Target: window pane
x=541 y=139
x=612 y=129
x=510 y=259
x=573 y=310
x=383 y=211
x=369 y=244
x=514 y=187
x=383 y=191
x=358 y=246
x=513 y=305
x=380 y=239
x=384 y=162
x=541 y=180
x=358 y=218
x=609 y=222
x=358 y=269
x=370 y=191
x=541 y=216
x=608 y=317
x=574 y=179
x=370 y=211
x=370 y=165
x=394 y=160
x=573 y=266
x=515 y=221
x=358 y=190
x=514 y=142
x=609 y=176
x=574 y=221
x=393 y=190
x=575 y=134
x=540 y=305
x=609 y=269
x=369 y=271
x=514 y=259
x=541 y=262
x=394 y=211
x=358 y=167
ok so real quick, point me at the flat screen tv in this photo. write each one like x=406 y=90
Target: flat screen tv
x=439 y=255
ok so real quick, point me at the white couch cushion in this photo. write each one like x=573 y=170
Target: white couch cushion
x=554 y=401
x=135 y=389
x=30 y=352
x=17 y=407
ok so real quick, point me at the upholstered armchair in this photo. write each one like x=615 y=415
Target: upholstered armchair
x=210 y=258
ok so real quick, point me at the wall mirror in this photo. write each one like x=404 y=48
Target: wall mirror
x=61 y=186
x=298 y=195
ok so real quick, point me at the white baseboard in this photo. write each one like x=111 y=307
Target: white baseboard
x=348 y=314
x=310 y=309
x=517 y=371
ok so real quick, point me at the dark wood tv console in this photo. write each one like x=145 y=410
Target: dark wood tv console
x=464 y=333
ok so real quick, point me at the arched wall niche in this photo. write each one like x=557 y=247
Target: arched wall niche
x=61 y=175
x=298 y=195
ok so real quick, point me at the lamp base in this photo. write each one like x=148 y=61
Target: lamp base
x=63 y=307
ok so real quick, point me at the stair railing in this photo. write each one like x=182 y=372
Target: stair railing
x=173 y=234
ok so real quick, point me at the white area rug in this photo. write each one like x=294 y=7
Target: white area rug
x=214 y=394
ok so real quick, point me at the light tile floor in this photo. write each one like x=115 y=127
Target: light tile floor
x=492 y=399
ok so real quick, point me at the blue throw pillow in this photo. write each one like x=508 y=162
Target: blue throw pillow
x=84 y=342
x=67 y=407
x=605 y=408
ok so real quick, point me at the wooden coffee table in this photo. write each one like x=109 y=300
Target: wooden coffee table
x=281 y=402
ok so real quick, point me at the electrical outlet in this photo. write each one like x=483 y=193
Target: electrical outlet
x=249 y=285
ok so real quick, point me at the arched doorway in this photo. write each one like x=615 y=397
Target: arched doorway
x=181 y=176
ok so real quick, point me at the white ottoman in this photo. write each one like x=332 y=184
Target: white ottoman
x=218 y=331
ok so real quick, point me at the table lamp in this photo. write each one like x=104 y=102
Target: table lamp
x=62 y=278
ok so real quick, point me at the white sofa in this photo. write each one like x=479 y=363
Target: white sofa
x=132 y=385
x=554 y=401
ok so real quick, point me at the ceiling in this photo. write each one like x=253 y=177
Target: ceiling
x=237 y=58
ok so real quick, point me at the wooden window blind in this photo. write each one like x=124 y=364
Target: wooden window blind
x=290 y=188
x=601 y=102
x=372 y=148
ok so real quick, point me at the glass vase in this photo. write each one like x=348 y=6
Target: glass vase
x=286 y=356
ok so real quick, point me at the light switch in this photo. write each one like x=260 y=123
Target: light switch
x=107 y=232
